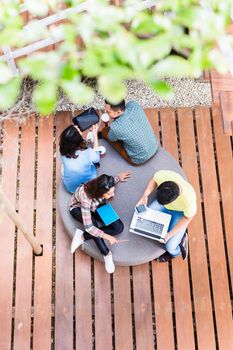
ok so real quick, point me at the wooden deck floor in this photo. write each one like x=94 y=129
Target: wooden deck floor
x=64 y=302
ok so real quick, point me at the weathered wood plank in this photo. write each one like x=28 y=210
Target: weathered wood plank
x=142 y=307
x=43 y=264
x=182 y=297
x=122 y=309
x=221 y=297
x=226 y=103
x=103 y=316
x=198 y=258
x=23 y=298
x=220 y=83
x=64 y=261
x=7 y=231
x=161 y=284
x=225 y=168
x=83 y=301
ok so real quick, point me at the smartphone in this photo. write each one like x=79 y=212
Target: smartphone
x=140 y=208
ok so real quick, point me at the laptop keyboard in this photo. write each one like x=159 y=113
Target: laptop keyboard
x=149 y=226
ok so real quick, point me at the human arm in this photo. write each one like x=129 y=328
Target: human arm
x=88 y=224
x=94 y=156
x=93 y=230
x=122 y=177
x=112 y=136
x=95 y=129
x=181 y=225
x=150 y=187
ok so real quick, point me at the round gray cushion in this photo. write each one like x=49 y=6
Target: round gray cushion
x=138 y=250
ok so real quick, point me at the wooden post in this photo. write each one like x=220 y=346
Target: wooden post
x=14 y=216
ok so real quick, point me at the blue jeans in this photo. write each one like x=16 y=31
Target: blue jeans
x=172 y=245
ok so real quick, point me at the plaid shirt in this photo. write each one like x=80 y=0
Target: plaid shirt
x=134 y=130
x=87 y=205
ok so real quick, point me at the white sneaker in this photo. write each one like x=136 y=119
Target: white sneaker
x=109 y=264
x=77 y=240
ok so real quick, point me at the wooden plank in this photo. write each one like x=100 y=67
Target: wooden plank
x=163 y=307
x=152 y=116
x=206 y=74
x=220 y=83
x=122 y=309
x=161 y=284
x=83 y=302
x=23 y=299
x=198 y=258
x=182 y=298
x=225 y=168
x=43 y=264
x=103 y=319
x=64 y=276
x=226 y=103
x=142 y=307
x=221 y=297
x=7 y=231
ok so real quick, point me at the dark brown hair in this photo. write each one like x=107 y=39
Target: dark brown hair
x=71 y=141
x=99 y=186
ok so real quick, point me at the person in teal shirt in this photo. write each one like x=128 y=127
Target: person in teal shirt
x=78 y=161
x=130 y=133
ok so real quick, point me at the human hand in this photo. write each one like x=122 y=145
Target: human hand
x=124 y=176
x=95 y=128
x=142 y=200
x=77 y=128
x=168 y=236
x=111 y=239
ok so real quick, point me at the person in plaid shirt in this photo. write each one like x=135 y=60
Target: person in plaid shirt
x=83 y=205
x=130 y=132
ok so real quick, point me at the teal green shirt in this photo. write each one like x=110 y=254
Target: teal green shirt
x=134 y=130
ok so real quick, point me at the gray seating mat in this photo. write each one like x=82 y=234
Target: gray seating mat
x=138 y=250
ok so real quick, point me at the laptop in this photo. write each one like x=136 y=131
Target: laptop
x=150 y=224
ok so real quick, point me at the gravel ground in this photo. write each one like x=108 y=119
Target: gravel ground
x=187 y=93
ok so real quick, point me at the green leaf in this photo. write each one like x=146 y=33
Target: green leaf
x=191 y=16
x=37 y=8
x=90 y=63
x=173 y=66
x=154 y=49
x=5 y=73
x=10 y=36
x=219 y=61
x=69 y=71
x=45 y=97
x=78 y=92
x=143 y=23
x=162 y=88
x=9 y=93
x=41 y=65
x=112 y=88
x=35 y=31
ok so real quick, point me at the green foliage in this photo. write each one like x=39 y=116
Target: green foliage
x=177 y=38
x=9 y=93
x=77 y=91
x=45 y=96
x=162 y=88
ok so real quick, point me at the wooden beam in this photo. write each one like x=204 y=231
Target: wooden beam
x=10 y=56
x=10 y=61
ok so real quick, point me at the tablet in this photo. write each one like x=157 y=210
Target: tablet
x=107 y=214
x=86 y=119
